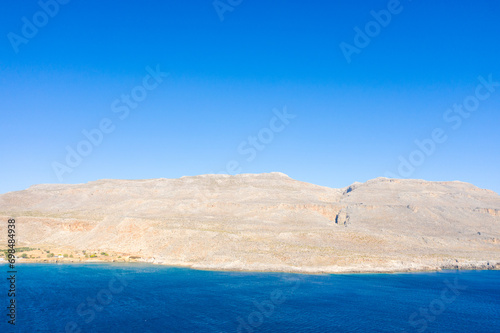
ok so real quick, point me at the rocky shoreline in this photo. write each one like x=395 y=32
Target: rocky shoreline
x=396 y=267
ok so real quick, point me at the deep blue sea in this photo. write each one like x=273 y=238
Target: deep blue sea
x=147 y=298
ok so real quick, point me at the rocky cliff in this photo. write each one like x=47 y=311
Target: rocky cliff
x=265 y=222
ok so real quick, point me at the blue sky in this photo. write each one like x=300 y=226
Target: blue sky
x=353 y=120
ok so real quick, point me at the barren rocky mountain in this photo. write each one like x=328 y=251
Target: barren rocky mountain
x=266 y=222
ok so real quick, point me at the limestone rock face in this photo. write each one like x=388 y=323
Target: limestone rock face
x=342 y=217
x=266 y=222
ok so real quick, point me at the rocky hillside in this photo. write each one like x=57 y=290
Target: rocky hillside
x=266 y=222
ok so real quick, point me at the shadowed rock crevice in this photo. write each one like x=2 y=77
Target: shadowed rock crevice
x=342 y=217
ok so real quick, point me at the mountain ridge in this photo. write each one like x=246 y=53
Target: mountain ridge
x=265 y=222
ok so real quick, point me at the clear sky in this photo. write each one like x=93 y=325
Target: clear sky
x=357 y=92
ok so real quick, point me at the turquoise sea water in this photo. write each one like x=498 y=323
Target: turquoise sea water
x=147 y=298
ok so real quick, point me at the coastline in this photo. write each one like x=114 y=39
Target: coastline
x=469 y=266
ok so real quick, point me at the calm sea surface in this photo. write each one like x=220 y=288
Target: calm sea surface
x=147 y=298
